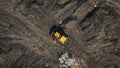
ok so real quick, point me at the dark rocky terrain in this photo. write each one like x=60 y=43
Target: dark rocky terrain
x=93 y=28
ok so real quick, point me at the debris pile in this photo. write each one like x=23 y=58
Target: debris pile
x=68 y=61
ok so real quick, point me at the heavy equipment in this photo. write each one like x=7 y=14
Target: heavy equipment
x=57 y=32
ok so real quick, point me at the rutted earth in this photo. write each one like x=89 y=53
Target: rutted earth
x=92 y=26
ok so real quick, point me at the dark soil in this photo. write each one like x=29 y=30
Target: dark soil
x=93 y=32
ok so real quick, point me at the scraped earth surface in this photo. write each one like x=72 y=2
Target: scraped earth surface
x=92 y=26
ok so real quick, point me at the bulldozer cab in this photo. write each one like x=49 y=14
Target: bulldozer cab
x=57 y=32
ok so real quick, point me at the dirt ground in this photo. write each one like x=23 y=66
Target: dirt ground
x=92 y=26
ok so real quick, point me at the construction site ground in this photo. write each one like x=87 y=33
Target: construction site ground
x=92 y=26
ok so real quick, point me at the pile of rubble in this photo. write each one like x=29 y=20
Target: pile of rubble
x=68 y=61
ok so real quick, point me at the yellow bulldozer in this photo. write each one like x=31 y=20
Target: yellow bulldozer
x=57 y=32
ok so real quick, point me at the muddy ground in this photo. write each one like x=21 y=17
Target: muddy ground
x=93 y=28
